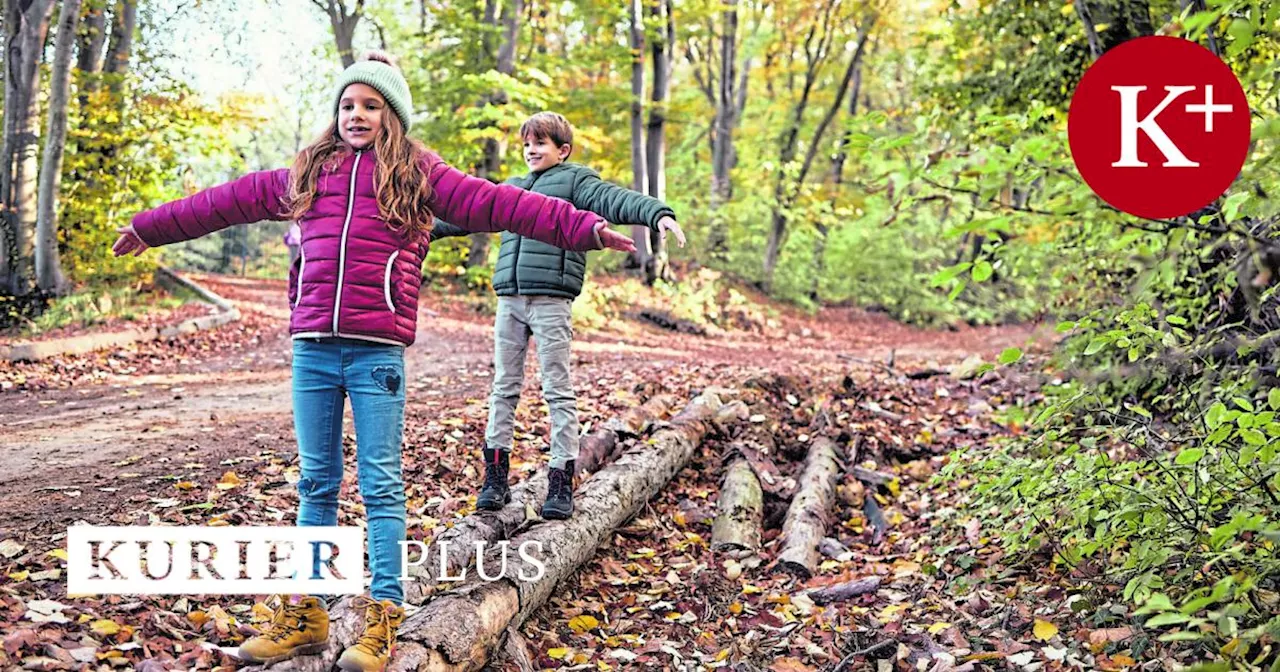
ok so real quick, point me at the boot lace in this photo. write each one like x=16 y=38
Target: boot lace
x=378 y=634
x=494 y=476
x=286 y=619
x=558 y=483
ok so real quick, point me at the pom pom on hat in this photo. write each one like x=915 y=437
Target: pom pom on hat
x=378 y=69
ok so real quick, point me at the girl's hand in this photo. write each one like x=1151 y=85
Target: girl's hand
x=612 y=239
x=666 y=224
x=128 y=242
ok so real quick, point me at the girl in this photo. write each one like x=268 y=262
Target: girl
x=364 y=194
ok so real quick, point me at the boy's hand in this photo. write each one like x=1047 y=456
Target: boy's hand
x=128 y=242
x=668 y=223
x=613 y=240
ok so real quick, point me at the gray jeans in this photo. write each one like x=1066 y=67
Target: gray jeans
x=548 y=320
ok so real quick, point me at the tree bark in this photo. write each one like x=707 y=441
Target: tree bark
x=26 y=24
x=49 y=276
x=120 y=49
x=344 y=24
x=459 y=630
x=810 y=510
x=740 y=509
x=730 y=97
x=657 y=266
x=93 y=38
x=639 y=171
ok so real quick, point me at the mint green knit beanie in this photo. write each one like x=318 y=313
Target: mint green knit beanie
x=377 y=69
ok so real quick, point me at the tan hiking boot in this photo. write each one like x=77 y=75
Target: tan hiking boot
x=371 y=652
x=295 y=629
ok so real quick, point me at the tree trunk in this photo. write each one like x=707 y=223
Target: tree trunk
x=455 y=547
x=49 y=276
x=120 y=50
x=478 y=254
x=343 y=24
x=93 y=38
x=595 y=451
x=729 y=100
x=810 y=510
x=837 y=182
x=740 y=509
x=786 y=189
x=639 y=172
x=26 y=24
x=460 y=629
x=657 y=266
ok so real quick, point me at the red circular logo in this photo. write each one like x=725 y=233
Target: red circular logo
x=1159 y=127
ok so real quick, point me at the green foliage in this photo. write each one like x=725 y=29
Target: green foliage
x=95 y=305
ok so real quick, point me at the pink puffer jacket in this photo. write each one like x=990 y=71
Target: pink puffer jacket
x=355 y=277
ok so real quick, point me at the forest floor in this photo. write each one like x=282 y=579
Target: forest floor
x=199 y=431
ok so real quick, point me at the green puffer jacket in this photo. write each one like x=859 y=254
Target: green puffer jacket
x=531 y=268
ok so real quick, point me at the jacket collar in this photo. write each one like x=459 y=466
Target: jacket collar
x=559 y=166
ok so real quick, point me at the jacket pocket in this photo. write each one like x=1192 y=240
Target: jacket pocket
x=295 y=282
x=386 y=281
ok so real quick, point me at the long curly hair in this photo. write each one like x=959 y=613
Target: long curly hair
x=401 y=183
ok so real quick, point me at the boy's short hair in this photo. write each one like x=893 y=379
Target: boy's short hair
x=548 y=125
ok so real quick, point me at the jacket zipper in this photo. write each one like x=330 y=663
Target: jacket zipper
x=342 y=248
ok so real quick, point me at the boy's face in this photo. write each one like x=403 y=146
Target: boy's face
x=360 y=113
x=542 y=153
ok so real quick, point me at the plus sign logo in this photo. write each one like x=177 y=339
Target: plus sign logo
x=1159 y=127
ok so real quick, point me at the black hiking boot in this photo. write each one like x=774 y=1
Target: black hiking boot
x=495 y=494
x=559 y=504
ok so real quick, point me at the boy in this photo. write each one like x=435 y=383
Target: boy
x=536 y=284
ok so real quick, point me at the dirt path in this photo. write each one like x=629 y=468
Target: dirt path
x=82 y=451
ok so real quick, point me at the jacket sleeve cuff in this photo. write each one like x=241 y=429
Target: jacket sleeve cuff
x=665 y=212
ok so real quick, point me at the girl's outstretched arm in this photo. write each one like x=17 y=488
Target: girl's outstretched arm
x=252 y=198
x=477 y=204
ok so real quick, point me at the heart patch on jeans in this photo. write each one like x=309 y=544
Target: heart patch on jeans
x=387 y=378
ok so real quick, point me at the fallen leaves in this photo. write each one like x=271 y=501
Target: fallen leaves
x=1044 y=630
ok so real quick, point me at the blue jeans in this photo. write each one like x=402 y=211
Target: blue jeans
x=324 y=373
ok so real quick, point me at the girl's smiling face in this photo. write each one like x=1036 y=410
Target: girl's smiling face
x=360 y=113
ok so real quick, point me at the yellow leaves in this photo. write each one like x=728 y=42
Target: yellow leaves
x=904 y=568
x=186 y=485
x=104 y=627
x=59 y=553
x=583 y=623
x=894 y=487
x=751 y=589
x=229 y=480
x=199 y=618
x=20 y=576
x=938 y=627
x=1044 y=630
x=558 y=653
x=735 y=608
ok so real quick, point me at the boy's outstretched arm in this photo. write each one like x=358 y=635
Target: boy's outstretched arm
x=442 y=229
x=623 y=206
x=252 y=198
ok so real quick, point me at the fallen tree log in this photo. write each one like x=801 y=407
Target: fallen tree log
x=460 y=629
x=455 y=556
x=740 y=509
x=840 y=592
x=454 y=549
x=810 y=510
